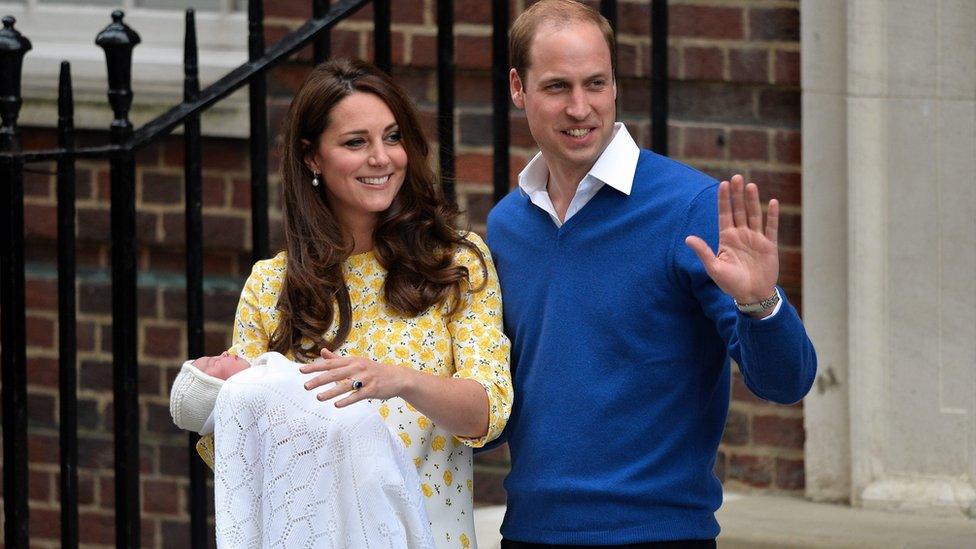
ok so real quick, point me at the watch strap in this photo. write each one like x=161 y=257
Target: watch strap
x=759 y=306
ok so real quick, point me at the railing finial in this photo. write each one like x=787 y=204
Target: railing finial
x=118 y=41
x=191 y=82
x=13 y=47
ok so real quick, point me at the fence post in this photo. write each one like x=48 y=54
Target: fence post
x=608 y=9
x=13 y=341
x=445 y=95
x=500 y=98
x=118 y=41
x=659 y=76
x=67 y=340
x=258 y=103
x=322 y=48
x=382 y=44
x=193 y=178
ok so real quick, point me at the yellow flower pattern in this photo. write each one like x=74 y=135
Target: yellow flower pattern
x=405 y=437
x=469 y=344
x=438 y=443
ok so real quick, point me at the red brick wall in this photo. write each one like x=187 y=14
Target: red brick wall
x=735 y=107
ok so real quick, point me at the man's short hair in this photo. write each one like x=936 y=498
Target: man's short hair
x=558 y=12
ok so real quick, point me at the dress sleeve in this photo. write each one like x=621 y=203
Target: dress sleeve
x=481 y=349
x=257 y=304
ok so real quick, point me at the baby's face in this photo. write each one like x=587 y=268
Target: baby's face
x=222 y=366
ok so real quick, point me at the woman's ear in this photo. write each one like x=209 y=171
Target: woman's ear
x=308 y=157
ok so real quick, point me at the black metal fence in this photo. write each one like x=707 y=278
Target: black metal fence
x=118 y=41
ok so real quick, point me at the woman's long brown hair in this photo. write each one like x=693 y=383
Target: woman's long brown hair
x=415 y=239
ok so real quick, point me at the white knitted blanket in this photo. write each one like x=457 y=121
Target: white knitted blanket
x=292 y=472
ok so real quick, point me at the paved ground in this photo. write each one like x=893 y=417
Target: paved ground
x=765 y=522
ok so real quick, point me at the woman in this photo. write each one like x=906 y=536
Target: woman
x=403 y=308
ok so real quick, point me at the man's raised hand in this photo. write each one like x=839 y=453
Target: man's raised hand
x=747 y=264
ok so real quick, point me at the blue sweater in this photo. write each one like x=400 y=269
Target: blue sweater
x=620 y=358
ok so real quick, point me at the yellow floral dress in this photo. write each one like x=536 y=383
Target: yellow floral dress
x=469 y=344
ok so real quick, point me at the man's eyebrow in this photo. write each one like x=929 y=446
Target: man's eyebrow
x=551 y=80
x=366 y=132
x=557 y=79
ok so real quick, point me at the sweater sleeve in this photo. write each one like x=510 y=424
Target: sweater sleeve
x=775 y=356
x=481 y=349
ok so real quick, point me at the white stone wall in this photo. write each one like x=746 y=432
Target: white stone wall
x=889 y=232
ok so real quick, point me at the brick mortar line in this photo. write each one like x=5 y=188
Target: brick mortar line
x=739 y=43
x=103 y=204
x=494 y=469
x=757 y=164
x=703 y=124
x=764 y=450
x=159 y=280
x=741 y=487
x=752 y=410
x=745 y=4
x=483 y=30
x=725 y=162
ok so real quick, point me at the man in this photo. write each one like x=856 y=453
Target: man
x=622 y=319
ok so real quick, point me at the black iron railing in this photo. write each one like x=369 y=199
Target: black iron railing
x=118 y=41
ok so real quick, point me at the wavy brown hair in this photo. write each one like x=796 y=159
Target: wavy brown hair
x=415 y=239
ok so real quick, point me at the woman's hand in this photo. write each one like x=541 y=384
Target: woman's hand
x=378 y=380
x=458 y=405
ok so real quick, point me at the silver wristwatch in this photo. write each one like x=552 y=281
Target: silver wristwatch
x=758 y=307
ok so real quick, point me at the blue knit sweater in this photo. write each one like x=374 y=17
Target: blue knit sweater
x=620 y=358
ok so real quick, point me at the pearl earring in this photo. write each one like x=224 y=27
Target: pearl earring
x=315 y=179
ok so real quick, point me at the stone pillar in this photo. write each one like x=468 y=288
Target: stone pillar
x=905 y=147
x=824 y=77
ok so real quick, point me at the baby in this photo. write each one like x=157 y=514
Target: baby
x=196 y=387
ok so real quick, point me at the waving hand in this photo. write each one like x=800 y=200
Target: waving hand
x=747 y=263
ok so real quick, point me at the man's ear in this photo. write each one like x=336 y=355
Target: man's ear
x=308 y=157
x=517 y=89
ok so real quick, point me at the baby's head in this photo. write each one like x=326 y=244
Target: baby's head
x=222 y=366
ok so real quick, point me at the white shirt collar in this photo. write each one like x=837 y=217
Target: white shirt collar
x=615 y=166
